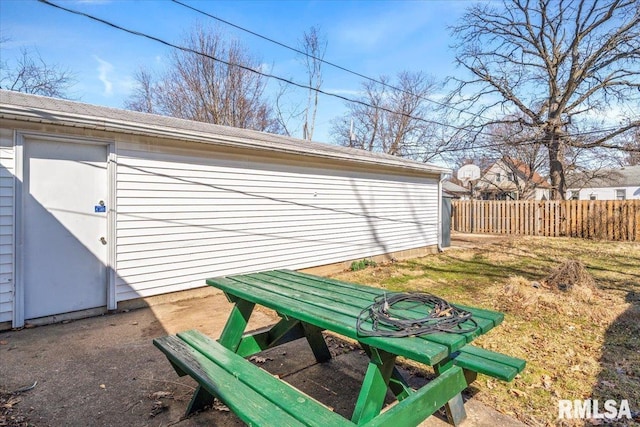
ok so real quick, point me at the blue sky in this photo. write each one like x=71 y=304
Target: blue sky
x=370 y=37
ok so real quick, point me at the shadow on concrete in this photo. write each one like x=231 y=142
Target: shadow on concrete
x=104 y=370
x=619 y=377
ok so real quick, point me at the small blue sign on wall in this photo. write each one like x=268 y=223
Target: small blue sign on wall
x=99 y=208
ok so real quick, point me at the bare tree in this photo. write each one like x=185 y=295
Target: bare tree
x=360 y=127
x=142 y=98
x=390 y=118
x=288 y=113
x=513 y=151
x=633 y=152
x=200 y=87
x=560 y=64
x=296 y=116
x=521 y=155
x=29 y=73
x=314 y=45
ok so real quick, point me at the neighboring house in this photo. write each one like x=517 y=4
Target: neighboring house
x=455 y=191
x=102 y=206
x=510 y=179
x=605 y=184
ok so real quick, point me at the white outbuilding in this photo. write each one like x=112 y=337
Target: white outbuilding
x=102 y=206
x=605 y=184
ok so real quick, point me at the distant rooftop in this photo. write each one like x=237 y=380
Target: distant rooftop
x=626 y=176
x=454 y=189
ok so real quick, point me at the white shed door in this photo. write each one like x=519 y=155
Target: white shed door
x=64 y=254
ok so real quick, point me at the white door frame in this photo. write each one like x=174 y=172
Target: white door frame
x=18 y=300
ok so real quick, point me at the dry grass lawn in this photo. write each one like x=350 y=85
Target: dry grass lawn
x=580 y=343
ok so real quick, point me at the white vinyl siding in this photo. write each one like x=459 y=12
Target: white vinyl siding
x=6 y=224
x=608 y=193
x=182 y=218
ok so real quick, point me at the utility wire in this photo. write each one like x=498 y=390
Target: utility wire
x=340 y=67
x=243 y=67
x=291 y=82
x=332 y=64
x=355 y=73
x=185 y=49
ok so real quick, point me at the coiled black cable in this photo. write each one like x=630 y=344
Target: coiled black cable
x=385 y=320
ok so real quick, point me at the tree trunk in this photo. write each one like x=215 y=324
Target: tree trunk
x=556 y=164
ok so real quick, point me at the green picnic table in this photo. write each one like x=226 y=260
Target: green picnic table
x=308 y=305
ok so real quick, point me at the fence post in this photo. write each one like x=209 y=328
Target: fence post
x=471 y=216
x=636 y=205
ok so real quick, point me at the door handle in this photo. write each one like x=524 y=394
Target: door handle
x=103 y=240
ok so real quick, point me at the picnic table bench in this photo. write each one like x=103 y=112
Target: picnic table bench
x=307 y=306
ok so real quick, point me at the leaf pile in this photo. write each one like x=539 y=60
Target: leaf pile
x=10 y=415
x=571 y=274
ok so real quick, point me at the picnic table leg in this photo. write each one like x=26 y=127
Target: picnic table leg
x=398 y=385
x=454 y=408
x=236 y=324
x=200 y=399
x=284 y=331
x=397 y=382
x=374 y=386
x=317 y=342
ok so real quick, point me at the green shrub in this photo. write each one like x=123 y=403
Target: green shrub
x=362 y=264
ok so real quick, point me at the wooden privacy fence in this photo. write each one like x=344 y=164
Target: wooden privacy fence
x=596 y=219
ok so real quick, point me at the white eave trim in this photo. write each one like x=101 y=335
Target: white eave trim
x=12 y=112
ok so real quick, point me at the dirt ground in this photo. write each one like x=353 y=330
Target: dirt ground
x=104 y=371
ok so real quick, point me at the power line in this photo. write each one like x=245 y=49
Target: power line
x=332 y=64
x=291 y=82
x=438 y=151
x=355 y=73
x=243 y=67
x=231 y=24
